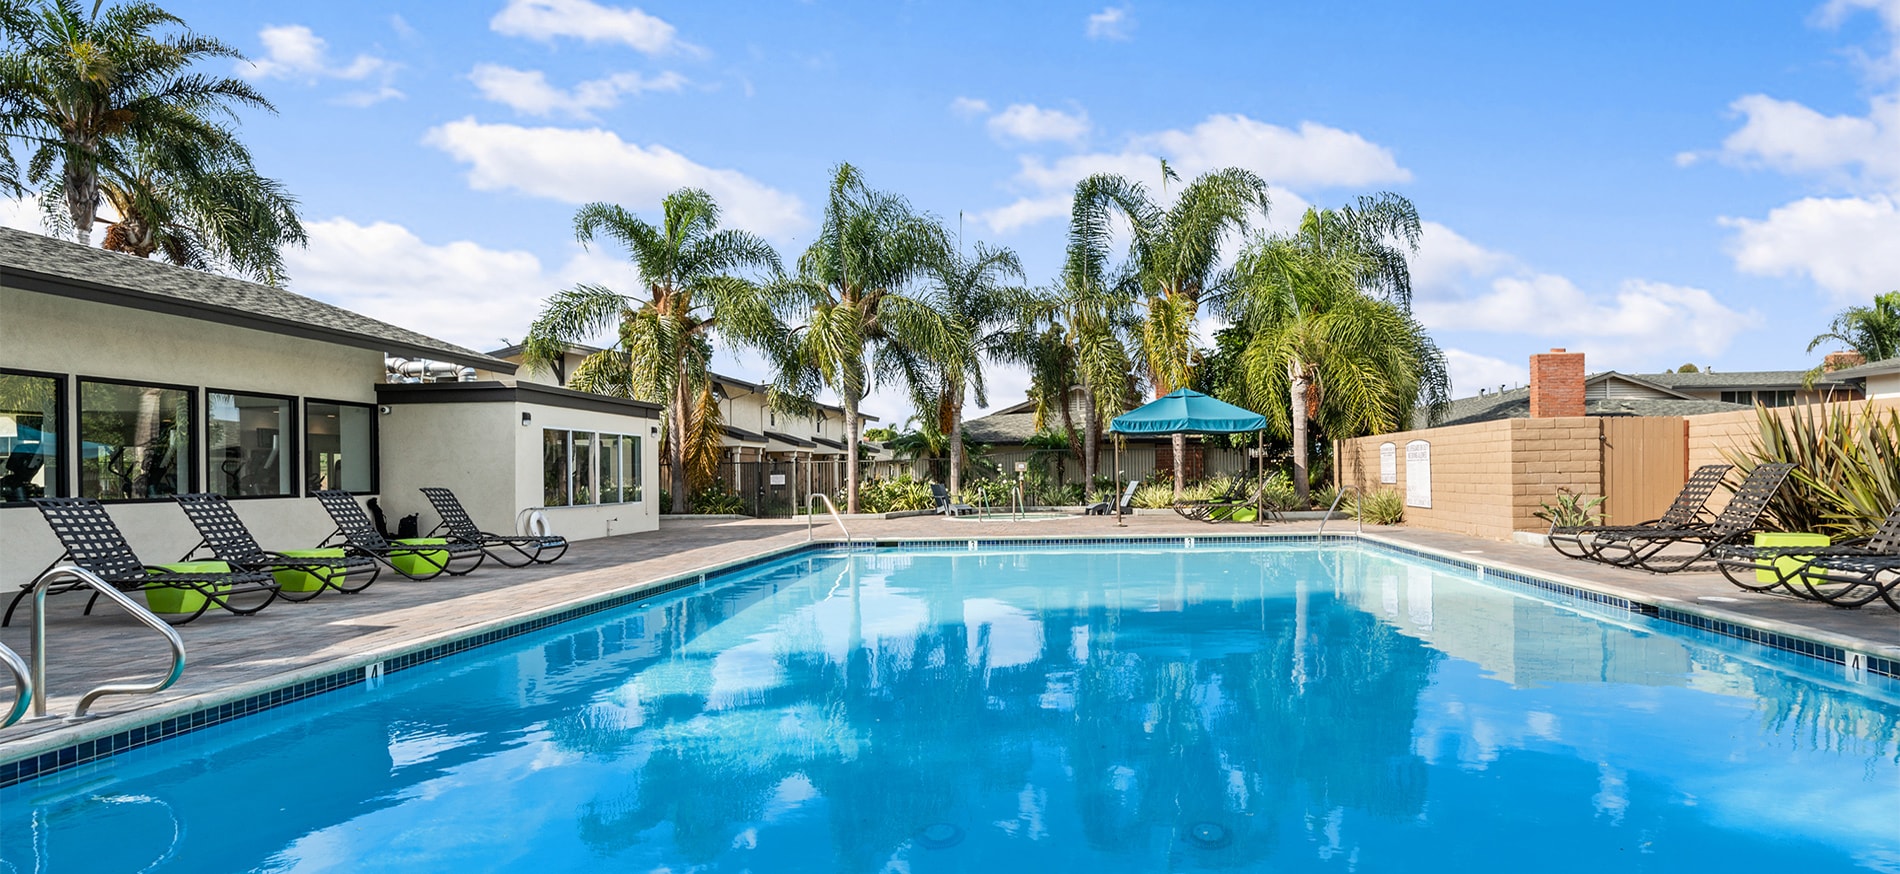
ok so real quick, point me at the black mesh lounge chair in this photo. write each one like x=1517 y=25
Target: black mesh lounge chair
x=460 y=526
x=1689 y=510
x=229 y=541
x=417 y=561
x=1847 y=574
x=1104 y=508
x=1220 y=508
x=1645 y=549
x=940 y=496
x=93 y=542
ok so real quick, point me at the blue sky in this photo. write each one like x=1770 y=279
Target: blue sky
x=1649 y=183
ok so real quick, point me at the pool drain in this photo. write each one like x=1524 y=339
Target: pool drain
x=939 y=836
x=1210 y=835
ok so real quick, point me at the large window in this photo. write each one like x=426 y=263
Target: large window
x=134 y=441
x=340 y=446
x=554 y=479
x=29 y=429
x=583 y=467
x=248 y=445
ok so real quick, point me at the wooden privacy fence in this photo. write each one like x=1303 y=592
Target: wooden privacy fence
x=1645 y=463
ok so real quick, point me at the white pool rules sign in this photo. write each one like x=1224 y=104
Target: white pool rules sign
x=1418 y=474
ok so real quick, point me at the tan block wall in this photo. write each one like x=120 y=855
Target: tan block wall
x=1713 y=437
x=1488 y=478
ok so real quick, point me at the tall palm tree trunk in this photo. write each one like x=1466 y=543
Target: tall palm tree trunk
x=81 y=182
x=676 y=446
x=1091 y=440
x=850 y=405
x=1298 y=382
x=1180 y=463
x=956 y=444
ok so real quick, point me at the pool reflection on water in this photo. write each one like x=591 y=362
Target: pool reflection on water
x=1267 y=707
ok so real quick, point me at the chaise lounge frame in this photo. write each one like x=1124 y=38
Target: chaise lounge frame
x=461 y=527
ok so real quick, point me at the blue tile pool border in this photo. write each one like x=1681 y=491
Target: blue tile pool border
x=73 y=755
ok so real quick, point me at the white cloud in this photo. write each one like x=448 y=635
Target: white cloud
x=579 y=166
x=1837 y=11
x=459 y=291
x=1849 y=246
x=1029 y=123
x=545 y=20
x=1446 y=260
x=1114 y=22
x=528 y=91
x=1025 y=212
x=1641 y=324
x=969 y=107
x=1471 y=372
x=296 y=53
x=1311 y=156
x=1792 y=138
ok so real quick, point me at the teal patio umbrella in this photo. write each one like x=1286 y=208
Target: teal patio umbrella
x=1186 y=411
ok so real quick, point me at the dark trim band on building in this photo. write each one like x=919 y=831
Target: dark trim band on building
x=501 y=393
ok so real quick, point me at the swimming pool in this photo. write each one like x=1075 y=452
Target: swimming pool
x=1031 y=709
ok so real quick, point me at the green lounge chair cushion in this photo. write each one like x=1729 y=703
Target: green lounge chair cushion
x=1787 y=563
x=295 y=580
x=173 y=599
x=421 y=562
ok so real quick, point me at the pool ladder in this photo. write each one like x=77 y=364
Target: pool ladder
x=810 y=512
x=22 y=685
x=32 y=684
x=1358 y=518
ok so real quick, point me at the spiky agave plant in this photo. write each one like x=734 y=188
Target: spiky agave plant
x=1847 y=466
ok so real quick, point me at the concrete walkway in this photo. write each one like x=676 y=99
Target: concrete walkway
x=291 y=642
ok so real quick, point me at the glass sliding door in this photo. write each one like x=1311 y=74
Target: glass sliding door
x=248 y=445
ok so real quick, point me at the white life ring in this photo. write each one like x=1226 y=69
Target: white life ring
x=532 y=523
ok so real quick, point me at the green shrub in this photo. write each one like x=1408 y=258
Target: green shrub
x=1155 y=496
x=893 y=495
x=714 y=500
x=992 y=493
x=1571 y=510
x=1847 y=468
x=1382 y=507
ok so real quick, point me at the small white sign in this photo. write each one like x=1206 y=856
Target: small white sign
x=1388 y=462
x=1418 y=474
x=778 y=479
x=1022 y=466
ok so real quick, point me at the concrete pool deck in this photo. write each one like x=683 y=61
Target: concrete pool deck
x=231 y=657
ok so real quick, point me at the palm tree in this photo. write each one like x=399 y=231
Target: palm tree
x=970 y=293
x=1326 y=324
x=690 y=267
x=214 y=210
x=95 y=94
x=851 y=284
x=1174 y=254
x=1872 y=331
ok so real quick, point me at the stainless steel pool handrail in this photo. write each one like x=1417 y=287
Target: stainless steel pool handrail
x=830 y=507
x=22 y=685
x=86 y=579
x=1358 y=518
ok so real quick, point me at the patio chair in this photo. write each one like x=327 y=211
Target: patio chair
x=230 y=541
x=423 y=558
x=1689 y=510
x=94 y=543
x=530 y=548
x=944 y=506
x=1644 y=549
x=1845 y=574
x=1104 y=508
x=1200 y=511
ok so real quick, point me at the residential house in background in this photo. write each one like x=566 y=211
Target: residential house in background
x=1611 y=393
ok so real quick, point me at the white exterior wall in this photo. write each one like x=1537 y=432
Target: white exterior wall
x=482 y=452
x=53 y=334
x=1883 y=385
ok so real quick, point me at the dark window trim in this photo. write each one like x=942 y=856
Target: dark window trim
x=375 y=444
x=294 y=438
x=62 y=407
x=188 y=482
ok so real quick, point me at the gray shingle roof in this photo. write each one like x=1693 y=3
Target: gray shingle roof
x=39 y=263
x=1516 y=404
x=1739 y=379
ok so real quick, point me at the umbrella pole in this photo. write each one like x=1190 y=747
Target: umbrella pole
x=1118 y=484
x=1260 y=480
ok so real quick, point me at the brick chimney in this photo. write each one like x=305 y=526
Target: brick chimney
x=1842 y=361
x=1556 y=384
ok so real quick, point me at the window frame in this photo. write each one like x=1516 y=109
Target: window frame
x=194 y=415
x=630 y=484
x=63 y=406
x=294 y=438
x=375 y=441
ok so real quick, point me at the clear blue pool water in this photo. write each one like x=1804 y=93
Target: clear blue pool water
x=1267 y=708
